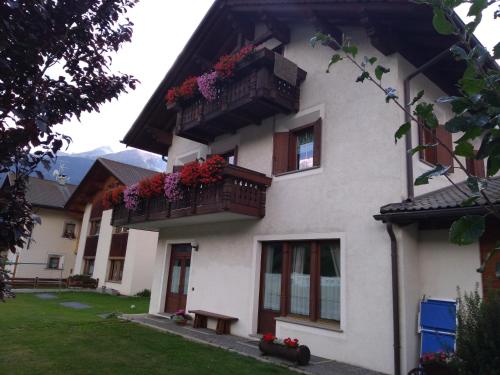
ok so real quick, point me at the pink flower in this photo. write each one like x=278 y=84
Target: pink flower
x=131 y=197
x=172 y=187
x=207 y=85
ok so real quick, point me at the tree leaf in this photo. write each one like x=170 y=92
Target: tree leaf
x=467 y=230
x=419 y=96
x=380 y=71
x=471 y=201
x=441 y=23
x=459 y=53
x=496 y=51
x=372 y=60
x=438 y=170
x=335 y=59
x=465 y=149
x=363 y=76
x=352 y=50
x=419 y=148
x=457 y=124
x=425 y=111
x=403 y=129
x=477 y=7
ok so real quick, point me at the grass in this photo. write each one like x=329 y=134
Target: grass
x=42 y=337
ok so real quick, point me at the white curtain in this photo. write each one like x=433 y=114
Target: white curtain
x=330 y=286
x=186 y=279
x=272 y=283
x=299 y=296
x=176 y=278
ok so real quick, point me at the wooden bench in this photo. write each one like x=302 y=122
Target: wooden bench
x=36 y=282
x=223 y=321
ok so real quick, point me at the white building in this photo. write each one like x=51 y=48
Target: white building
x=51 y=250
x=119 y=258
x=287 y=242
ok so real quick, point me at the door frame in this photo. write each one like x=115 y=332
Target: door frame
x=167 y=272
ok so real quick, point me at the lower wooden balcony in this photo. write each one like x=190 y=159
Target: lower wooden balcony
x=239 y=195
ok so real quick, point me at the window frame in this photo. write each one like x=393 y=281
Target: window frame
x=92 y=227
x=54 y=256
x=86 y=267
x=231 y=152
x=110 y=270
x=72 y=235
x=286 y=155
x=315 y=279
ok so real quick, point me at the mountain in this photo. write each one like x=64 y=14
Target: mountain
x=76 y=165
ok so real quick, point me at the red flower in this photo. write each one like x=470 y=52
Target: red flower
x=189 y=88
x=291 y=343
x=227 y=63
x=190 y=174
x=151 y=186
x=268 y=337
x=172 y=95
x=210 y=169
x=112 y=197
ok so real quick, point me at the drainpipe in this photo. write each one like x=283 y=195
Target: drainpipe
x=407 y=101
x=395 y=299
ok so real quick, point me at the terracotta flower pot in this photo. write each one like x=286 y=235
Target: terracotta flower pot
x=300 y=355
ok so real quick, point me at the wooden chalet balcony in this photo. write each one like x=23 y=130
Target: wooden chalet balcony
x=255 y=93
x=241 y=194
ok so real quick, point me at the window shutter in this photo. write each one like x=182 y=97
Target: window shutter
x=443 y=156
x=476 y=167
x=317 y=143
x=425 y=137
x=280 y=152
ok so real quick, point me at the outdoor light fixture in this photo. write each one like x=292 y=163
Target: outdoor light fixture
x=194 y=246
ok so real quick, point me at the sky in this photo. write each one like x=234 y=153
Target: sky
x=161 y=29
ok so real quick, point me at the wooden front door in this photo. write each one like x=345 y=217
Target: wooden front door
x=178 y=278
x=271 y=294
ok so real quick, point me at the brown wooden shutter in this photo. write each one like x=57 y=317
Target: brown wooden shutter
x=476 y=167
x=317 y=143
x=426 y=137
x=280 y=152
x=443 y=156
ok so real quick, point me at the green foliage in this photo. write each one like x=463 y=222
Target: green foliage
x=425 y=112
x=441 y=23
x=144 y=293
x=403 y=129
x=438 y=170
x=478 y=334
x=380 y=71
x=467 y=229
x=335 y=59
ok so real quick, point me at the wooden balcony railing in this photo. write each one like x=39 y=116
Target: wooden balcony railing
x=255 y=93
x=241 y=191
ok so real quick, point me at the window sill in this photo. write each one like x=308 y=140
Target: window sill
x=329 y=326
x=298 y=173
x=114 y=282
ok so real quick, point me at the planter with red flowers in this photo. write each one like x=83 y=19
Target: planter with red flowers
x=287 y=348
x=440 y=363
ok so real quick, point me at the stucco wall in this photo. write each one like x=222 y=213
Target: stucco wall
x=78 y=269
x=47 y=240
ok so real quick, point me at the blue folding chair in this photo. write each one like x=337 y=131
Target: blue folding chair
x=437 y=326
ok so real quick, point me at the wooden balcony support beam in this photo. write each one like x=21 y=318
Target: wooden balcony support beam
x=278 y=29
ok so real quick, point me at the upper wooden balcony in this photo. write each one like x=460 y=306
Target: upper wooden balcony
x=240 y=194
x=255 y=93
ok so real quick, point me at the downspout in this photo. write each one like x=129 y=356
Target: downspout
x=407 y=103
x=395 y=299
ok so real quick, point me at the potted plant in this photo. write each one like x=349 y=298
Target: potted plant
x=440 y=363
x=181 y=318
x=288 y=349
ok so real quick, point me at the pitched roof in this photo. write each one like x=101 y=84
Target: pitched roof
x=126 y=173
x=443 y=202
x=95 y=179
x=46 y=193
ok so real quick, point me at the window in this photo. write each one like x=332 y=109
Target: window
x=88 y=266
x=95 y=227
x=69 y=230
x=302 y=279
x=230 y=156
x=53 y=262
x=118 y=230
x=116 y=269
x=438 y=153
x=475 y=167
x=298 y=149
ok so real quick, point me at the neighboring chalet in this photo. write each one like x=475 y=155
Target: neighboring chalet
x=287 y=242
x=120 y=258
x=50 y=251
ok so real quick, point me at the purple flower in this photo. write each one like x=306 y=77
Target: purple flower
x=131 y=197
x=173 y=190
x=207 y=85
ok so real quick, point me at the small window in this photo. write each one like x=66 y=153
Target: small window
x=437 y=154
x=88 y=266
x=95 y=227
x=53 y=262
x=118 y=230
x=298 y=149
x=69 y=230
x=230 y=156
x=116 y=270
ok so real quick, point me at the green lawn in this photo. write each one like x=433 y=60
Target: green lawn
x=41 y=337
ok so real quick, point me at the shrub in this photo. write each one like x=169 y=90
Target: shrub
x=478 y=334
x=144 y=293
